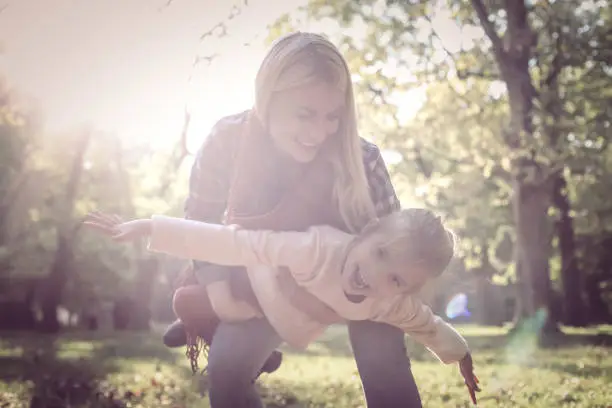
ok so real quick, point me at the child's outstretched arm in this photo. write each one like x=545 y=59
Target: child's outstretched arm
x=114 y=227
x=218 y=244
x=418 y=321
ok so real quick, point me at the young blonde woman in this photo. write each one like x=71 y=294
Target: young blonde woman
x=295 y=160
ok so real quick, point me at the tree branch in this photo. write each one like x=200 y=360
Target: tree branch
x=461 y=74
x=183 y=151
x=206 y=59
x=219 y=30
x=489 y=29
x=557 y=66
x=164 y=6
x=519 y=38
x=426 y=170
x=222 y=26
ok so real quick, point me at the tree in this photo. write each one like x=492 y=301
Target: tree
x=66 y=232
x=17 y=143
x=405 y=45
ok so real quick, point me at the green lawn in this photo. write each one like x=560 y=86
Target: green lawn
x=135 y=370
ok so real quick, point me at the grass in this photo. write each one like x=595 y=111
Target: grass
x=80 y=369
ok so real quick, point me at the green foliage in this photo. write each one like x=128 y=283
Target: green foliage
x=34 y=171
x=429 y=88
x=456 y=157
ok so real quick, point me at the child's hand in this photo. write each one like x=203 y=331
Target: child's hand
x=113 y=226
x=467 y=371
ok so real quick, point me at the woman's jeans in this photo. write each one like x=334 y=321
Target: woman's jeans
x=239 y=350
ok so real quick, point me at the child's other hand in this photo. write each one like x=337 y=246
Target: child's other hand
x=467 y=371
x=118 y=230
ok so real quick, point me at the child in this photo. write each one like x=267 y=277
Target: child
x=371 y=276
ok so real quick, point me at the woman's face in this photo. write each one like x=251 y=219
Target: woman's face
x=302 y=119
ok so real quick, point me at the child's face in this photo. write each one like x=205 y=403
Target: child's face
x=372 y=270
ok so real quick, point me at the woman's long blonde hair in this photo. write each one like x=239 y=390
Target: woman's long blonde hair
x=298 y=59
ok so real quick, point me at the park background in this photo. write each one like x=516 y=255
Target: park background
x=496 y=114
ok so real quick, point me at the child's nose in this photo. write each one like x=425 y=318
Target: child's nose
x=386 y=287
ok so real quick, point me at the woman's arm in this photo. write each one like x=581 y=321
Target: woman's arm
x=210 y=178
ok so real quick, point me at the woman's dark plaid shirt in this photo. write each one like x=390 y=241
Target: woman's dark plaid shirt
x=211 y=174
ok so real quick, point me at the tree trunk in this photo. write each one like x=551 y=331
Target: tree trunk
x=533 y=249
x=145 y=278
x=66 y=232
x=491 y=309
x=488 y=313
x=531 y=196
x=54 y=285
x=573 y=305
x=598 y=310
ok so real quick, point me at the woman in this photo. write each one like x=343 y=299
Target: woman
x=294 y=160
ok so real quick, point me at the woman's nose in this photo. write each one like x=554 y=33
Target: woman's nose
x=322 y=129
x=317 y=135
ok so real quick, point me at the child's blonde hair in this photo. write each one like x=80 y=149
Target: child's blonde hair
x=421 y=236
x=300 y=59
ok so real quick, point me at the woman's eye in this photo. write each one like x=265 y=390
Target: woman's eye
x=397 y=281
x=303 y=115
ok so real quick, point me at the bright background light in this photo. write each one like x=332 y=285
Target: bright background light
x=125 y=66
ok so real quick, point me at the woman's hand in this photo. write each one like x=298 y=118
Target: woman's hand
x=113 y=226
x=466 y=366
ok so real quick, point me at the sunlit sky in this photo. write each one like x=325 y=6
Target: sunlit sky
x=124 y=65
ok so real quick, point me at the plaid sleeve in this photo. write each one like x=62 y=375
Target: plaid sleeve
x=210 y=177
x=381 y=189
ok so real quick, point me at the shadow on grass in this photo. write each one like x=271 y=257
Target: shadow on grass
x=283 y=394
x=575 y=339
x=335 y=342
x=68 y=369
x=601 y=370
x=72 y=369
